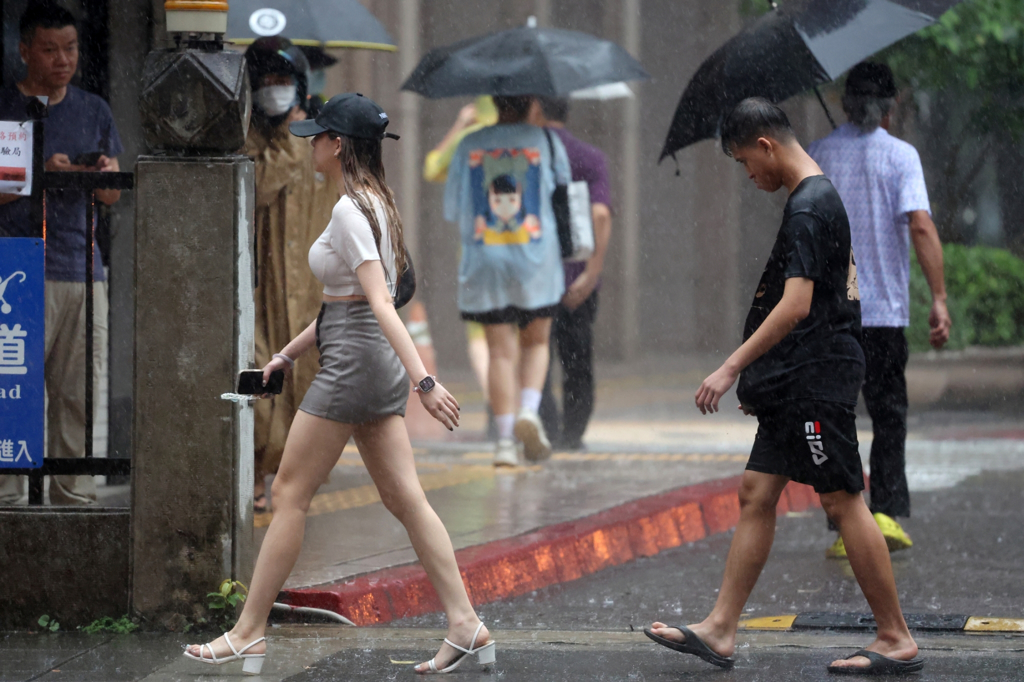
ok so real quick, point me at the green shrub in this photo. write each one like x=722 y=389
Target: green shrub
x=985 y=290
x=120 y=626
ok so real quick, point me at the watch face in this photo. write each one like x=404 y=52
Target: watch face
x=427 y=384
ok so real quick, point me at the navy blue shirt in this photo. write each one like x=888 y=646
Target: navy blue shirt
x=80 y=123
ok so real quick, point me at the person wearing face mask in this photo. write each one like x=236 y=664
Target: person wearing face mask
x=292 y=203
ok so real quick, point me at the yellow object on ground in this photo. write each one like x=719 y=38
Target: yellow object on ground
x=769 y=623
x=978 y=624
x=293 y=207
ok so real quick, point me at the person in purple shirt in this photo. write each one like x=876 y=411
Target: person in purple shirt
x=79 y=124
x=572 y=333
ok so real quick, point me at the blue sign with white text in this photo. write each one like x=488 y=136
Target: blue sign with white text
x=22 y=344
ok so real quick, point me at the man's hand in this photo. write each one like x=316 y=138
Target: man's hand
x=714 y=387
x=296 y=114
x=580 y=290
x=104 y=164
x=61 y=162
x=939 y=322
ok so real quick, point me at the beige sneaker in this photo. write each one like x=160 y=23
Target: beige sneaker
x=505 y=454
x=530 y=431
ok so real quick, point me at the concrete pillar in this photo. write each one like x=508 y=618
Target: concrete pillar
x=629 y=222
x=409 y=48
x=192 y=475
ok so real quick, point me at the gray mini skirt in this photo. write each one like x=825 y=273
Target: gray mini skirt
x=361 y=378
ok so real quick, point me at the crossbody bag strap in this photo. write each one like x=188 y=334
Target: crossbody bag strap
x=551 y=150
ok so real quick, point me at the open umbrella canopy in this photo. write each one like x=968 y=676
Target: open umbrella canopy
x=320 y=23
x=789 y=50
x=523 y=61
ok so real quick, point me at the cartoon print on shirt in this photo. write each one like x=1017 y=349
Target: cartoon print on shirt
x=506 y=195
x=852 y=290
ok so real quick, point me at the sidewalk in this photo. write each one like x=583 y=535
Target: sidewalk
x=647 y=442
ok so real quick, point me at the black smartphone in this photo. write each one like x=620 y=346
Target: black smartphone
x=250 y=382
x=89 y=159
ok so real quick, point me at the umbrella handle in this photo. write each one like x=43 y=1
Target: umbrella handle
x=825 y=107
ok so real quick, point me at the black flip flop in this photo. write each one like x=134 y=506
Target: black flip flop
x=879 y=665
x=692 y=645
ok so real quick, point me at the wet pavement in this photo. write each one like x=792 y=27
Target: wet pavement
x=966 y=471
x=646 y=438
x=966 y=560
x=325 y=654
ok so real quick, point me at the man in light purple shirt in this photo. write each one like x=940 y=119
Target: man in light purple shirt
x=880 y=180
x=572 y=334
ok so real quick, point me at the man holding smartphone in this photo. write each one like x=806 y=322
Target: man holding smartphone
x=80 y=136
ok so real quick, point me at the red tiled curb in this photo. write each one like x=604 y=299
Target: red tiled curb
x=555 y=554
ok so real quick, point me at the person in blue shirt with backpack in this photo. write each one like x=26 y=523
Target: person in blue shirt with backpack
x=499 y=191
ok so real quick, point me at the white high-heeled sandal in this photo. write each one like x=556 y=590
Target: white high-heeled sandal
x=484 y=653
x=252 y=664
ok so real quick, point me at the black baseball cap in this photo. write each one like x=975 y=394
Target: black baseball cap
x=349 y=114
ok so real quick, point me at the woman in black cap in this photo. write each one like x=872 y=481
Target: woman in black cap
x=366 y=358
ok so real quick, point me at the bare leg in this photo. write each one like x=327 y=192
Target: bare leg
x=869 y=559
x=759 y=494
x=478 y=359
x=503 y=344
x=384 y=447
x=311 y=451
x=535 y=354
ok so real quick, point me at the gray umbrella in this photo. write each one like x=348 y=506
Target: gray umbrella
x=789 y=50
x=523 y=61
x=320 y=23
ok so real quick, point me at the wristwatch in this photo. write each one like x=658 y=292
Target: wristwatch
x=426 y=385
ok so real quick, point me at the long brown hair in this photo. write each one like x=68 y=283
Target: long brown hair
x=362 y=169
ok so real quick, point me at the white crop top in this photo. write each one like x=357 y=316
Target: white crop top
x=346 y=244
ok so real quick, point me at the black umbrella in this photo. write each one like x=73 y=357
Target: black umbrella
x=789 y=50
x=320 y=23
x=523 y=61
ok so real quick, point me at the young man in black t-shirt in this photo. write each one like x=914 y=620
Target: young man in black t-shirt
x=799 y=369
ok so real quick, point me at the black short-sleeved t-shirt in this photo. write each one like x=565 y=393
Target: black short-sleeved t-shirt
x=821 y=359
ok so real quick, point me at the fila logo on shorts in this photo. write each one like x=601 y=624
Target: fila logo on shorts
x=813 y=433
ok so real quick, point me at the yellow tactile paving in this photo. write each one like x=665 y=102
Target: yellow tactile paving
x=980 y=624
x=769 y=623
x=974 y=624
x=625 y=456
x=360 y=496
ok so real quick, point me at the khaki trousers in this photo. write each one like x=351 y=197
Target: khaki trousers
x=65 y=387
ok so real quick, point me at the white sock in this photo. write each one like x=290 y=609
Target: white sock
x=505 y=424
x=529 y=399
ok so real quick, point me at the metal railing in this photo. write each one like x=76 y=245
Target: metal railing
x=88 y=182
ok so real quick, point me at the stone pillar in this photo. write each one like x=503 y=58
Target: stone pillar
x=192 y=472
x=193 y=469
x=630 y=215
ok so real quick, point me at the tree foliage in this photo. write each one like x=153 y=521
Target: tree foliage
x=985 y=289
x=977 y=48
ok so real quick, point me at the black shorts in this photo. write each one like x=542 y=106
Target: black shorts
x=810 y=442
x=511 y=315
